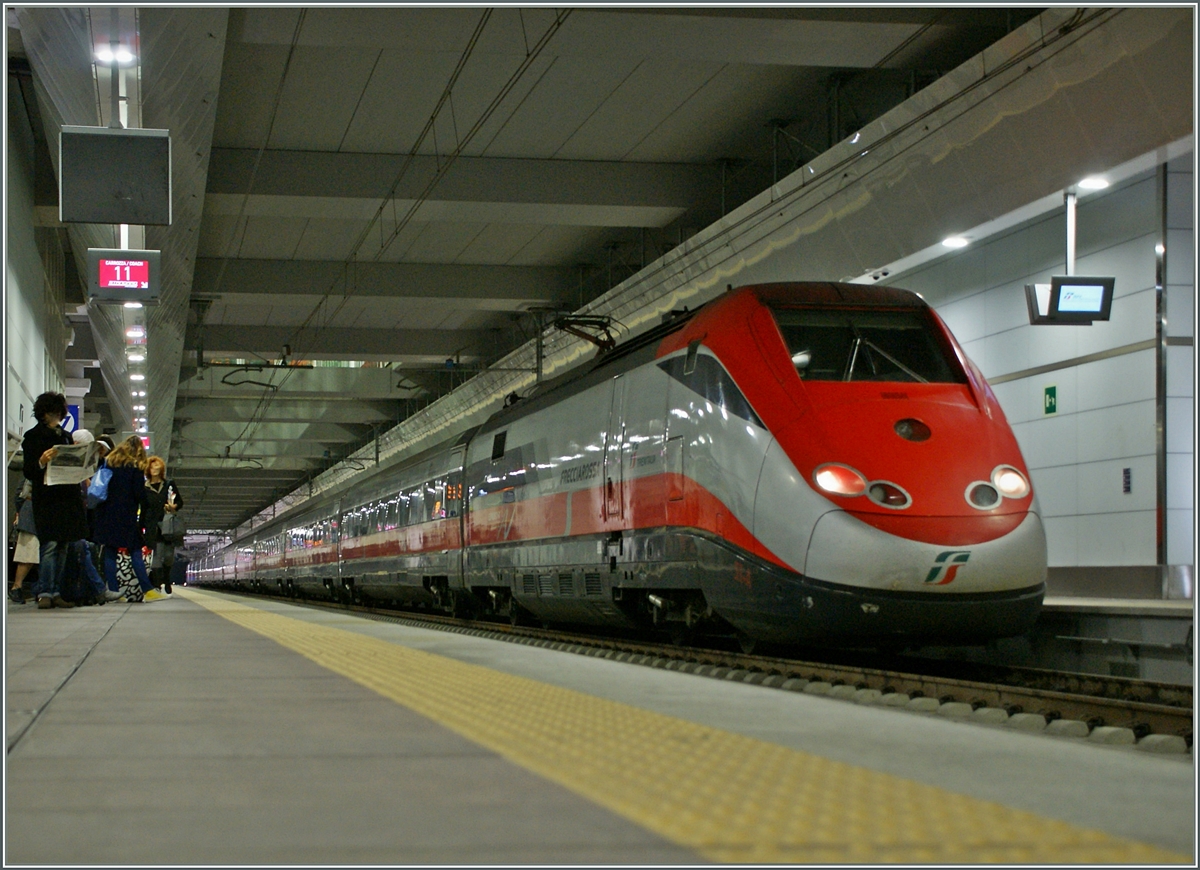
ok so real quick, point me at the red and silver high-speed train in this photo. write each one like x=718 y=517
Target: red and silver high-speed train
x=790 y=462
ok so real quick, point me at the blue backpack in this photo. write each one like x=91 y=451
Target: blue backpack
x=97 y=490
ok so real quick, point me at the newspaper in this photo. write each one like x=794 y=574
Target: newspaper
x=74 y=463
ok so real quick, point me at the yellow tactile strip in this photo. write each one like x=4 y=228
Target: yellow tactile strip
x=729 y=797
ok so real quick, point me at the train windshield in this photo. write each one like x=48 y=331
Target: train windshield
x=832 y=344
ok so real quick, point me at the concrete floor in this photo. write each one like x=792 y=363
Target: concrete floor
x=159 y=733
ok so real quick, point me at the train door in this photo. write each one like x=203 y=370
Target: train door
x=455 y=508
x=614 y=462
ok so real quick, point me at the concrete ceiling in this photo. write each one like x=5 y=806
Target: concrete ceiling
x=407 y=186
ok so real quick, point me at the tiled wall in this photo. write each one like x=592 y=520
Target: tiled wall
x=1181 y=313
x=24 y=297
x=1105 y=419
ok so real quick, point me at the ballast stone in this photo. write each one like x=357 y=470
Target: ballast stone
x=1171 y=744
x=955 y=710
x=1112 y=735
x=924 y=705
x=1027 y=722
x=990 y=715
x=1067 y=728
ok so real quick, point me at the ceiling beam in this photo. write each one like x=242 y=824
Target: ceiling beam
x=230 y=383
x=284 y=411
x=231 y=432
x=511 y=286
x=470 y=179
x=343 y=343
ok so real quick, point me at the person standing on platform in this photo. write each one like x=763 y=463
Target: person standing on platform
x=25 y=556
x=83 y=547
x=161 y=498
x=117 y=524
x=58 y=511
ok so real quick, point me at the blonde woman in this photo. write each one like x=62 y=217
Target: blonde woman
x=116 y=525
x=161 y=498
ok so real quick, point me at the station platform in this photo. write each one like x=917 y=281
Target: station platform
x=220 y=729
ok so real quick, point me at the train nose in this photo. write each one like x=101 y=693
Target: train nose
x=926 y=449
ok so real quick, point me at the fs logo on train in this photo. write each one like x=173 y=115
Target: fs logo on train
x=946 y=566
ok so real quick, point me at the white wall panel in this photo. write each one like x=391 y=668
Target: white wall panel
x=1062 y=541
x=1180 y=266
x=1117 y=539
x=1181 y=492
x=1100 y=486
x=1181 y=373
x=1181 y=431
x=24 y=296
x=1180 y=534
x=1116 y=381
x=1181 y=310
x=1057 y=490
x=1117 y=432
x=1049 y=442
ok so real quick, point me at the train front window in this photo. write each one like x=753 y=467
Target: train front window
x=867 y=345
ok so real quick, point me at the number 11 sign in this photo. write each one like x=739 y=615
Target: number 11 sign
x=123 y=276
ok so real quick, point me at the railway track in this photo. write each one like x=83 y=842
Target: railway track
x=953 y=688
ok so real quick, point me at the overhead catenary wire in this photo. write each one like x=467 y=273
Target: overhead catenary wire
x=353 y=258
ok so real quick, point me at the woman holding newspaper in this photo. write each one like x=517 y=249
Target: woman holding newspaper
x=58 y=509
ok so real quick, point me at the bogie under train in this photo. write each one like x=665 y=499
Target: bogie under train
x=793 y=463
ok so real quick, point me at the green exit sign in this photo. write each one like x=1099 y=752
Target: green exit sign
x=1050 y=400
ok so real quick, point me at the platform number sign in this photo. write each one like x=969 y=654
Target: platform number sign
x=71 y=422
x=1050 y=400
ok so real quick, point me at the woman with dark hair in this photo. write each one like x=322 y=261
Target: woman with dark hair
x=161 y=498
x=116 y=525
x=58 y=511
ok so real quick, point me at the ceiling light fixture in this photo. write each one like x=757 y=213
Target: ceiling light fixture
x=955 y=242
x=136 y=357
x=1093 y=182
x=135 y=332
x=133 y=305
x=122 y=55
x=136 y=377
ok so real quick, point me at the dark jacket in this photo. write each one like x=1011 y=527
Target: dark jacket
x=116 y=520
x=58 y=511
x=154 y=508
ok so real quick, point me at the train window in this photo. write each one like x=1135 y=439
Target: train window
x=498 y=445
x=867 y=345
x=454 y=491
x=709 y=378
x=689 y=364
x=416 y=505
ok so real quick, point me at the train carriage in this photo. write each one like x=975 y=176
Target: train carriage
x=791 y=462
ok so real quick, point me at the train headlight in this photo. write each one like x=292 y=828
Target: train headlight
x=1010 y=482
x=840 y=479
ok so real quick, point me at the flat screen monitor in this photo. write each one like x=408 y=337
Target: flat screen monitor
x=1079 y=299
x=1070 y=300
x=110 y=175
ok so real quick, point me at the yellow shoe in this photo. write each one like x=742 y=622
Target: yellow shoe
x=154 y=595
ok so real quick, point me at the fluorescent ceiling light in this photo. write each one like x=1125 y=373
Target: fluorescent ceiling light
x=137 y=377
x=122 y=56
x=133 y=305
x=136 y=357
x=135 y=332
x=1093 y=182
x=955 y=242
